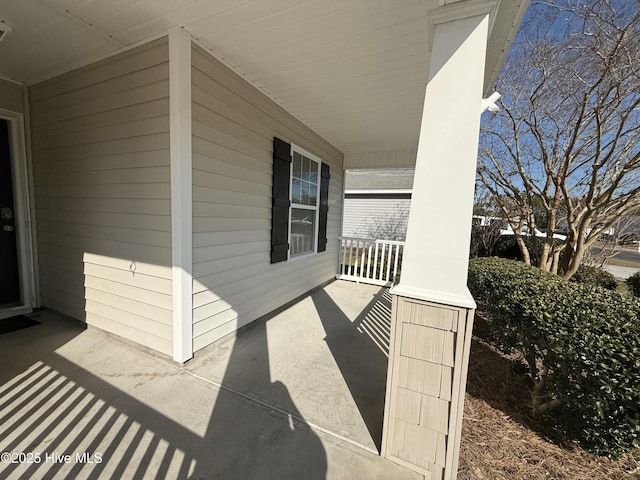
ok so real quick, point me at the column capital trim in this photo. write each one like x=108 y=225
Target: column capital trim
x=460 y=11
x=464 y=300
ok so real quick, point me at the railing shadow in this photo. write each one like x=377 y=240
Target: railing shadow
x=244 y=441
x=57 y=408
x=51 y=405
x=360 y=349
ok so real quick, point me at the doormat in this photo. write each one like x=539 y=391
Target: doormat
x=8 y=325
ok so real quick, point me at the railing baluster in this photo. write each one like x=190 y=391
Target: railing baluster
x=369 y=260
x=356 y=258
x=389 y=262
x=367 y=255
x=351 y=257
x=395 y=263
x=361 y=257
x=351 y=262
x=347 y=255
x=375 y=264
x=343 y=245
x=372 y=272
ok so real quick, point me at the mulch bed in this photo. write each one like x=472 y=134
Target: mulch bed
x=502 y=441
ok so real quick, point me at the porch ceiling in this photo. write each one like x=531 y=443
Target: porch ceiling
x=353 y=70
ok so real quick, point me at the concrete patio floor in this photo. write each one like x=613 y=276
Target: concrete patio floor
x=299 y=395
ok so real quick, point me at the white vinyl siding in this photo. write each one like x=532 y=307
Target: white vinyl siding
x=404 y=158
x=11 y=96
x=100 y=139
x=233 y=129
x=363 y=215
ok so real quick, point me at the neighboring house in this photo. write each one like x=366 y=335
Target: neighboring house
x=376 y=203
x=505 y=228
x=525 y=231
x=486 y=221
x=177 y=170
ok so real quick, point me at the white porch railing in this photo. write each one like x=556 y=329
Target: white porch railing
x=371 y=261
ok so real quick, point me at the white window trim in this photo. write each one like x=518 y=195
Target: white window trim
x=23 y=215
x=315 y=158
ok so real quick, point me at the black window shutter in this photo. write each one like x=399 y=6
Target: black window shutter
x=324 y=207
x=280 y=208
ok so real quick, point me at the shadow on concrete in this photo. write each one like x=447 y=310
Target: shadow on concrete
x=64 y=409
x=38 y=340
x=222 y=418
x=360 y=349
x=49 y=404
x=240 y=444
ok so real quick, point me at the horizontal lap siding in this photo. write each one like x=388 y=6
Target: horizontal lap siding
x=233 y=129
x=11 y=96
x=103 y=197
x=405 y=158
x=363 y=215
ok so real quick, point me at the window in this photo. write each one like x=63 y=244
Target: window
x=300 y=203
x=303 y=217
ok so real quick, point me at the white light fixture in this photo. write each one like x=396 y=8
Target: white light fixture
x=4 y=30
x=490 y=103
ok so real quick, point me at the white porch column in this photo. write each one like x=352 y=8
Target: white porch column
x=433 y=311
x=181 y=188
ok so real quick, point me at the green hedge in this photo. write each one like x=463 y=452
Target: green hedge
x=580 y=345
x=594 y=276
x=506 y=246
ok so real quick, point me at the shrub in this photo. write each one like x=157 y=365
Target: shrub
x=595 y=277
x=633 y=282
x=507 y=247
x=580 y=345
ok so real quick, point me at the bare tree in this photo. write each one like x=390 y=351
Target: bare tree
x=486 y=227
x=611 y=242
x=387 y=226
x=567 y=140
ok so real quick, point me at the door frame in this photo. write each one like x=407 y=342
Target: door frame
x=22 y=213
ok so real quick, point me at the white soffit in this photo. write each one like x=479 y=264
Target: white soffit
x=353 y=70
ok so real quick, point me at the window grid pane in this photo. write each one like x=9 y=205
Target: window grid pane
x=296 y=193
x=297 y=165
x=304 y=205
x=304 y=185
x=303 y=227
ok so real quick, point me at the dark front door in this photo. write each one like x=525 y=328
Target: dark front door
x=9 y=279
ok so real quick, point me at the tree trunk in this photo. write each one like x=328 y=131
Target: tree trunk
x=566 y=256
x=574 y=262
x=524 y=250
x=556 y=261
x=546 y=259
